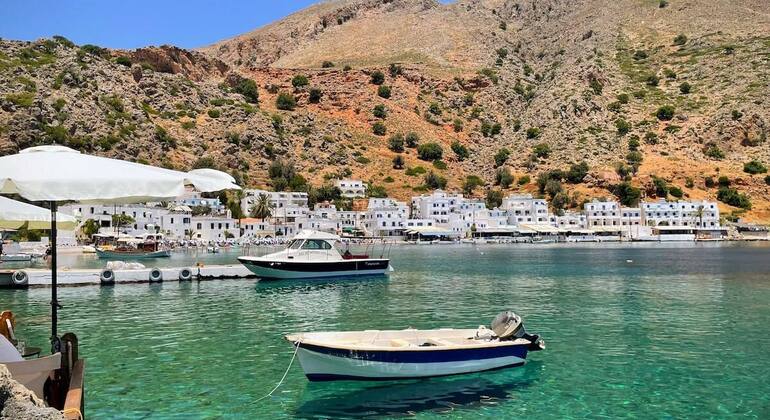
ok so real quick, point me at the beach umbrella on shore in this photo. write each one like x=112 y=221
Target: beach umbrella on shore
x=58 y=174
x=15 y=214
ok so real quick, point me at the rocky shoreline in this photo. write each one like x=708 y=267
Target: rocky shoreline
x=17 y=402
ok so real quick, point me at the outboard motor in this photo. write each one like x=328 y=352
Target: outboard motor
x=509 y=326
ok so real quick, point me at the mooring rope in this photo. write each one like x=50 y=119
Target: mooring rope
x=269 y=394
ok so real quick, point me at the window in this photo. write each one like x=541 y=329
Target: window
x=316 y=244
x=200 y=226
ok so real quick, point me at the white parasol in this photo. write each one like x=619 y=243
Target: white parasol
x=15 y=214
x=58 y=174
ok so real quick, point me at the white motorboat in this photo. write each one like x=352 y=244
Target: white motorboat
x=407 y=354
x=312 y=254
x=15 y=257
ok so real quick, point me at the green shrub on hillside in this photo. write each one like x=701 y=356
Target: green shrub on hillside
x=379 y=128
x=412 y=140
x=651 y=138
x=542 y=150
x=95 y=50
x=471 y=182
x=533 y=132
x=395 y=70
x=754 y=167
x=675 y=191
x=622 y=126
x=123 y=61
x=494 y=199
x=457 y=125
x=460 y=150
x=248 y=89
x=286 y=101
x=314 y=96
x=434 y=181
x=384 y=91
x=732 y=197
x=22 y=100
x=379 y=111
x=680 y=39
x=377 y=77
x=627 y=194
x=396 y=143
x=430 y=151
x=503 y=177
x=577 y=173
x=713 y=151
x=665 y=113
x=501 y=157
x=299 y=81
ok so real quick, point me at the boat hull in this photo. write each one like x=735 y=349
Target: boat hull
x=330 y=364
x=303 y=270
x=115 y=255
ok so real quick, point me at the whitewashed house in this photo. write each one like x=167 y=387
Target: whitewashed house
x=438 y=206
x=701 y=214
x=284 y=203
x=603 y=213
x=213 y=228
x=324 y=217
x=385 y=217
x=351 y=188
x=525 y=209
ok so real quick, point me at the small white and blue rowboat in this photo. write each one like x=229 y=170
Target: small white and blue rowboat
x=410 y=354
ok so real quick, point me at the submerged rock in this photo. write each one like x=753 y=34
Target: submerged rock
x=18 y=402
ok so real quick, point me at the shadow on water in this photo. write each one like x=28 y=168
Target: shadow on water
x=279 y=286
x=439 y=395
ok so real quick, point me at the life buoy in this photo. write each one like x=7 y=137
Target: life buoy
x=156 y=276
x=20 y=278
x=185 y=274
x=107 y=277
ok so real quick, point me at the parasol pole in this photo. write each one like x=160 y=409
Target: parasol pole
x=55 y=344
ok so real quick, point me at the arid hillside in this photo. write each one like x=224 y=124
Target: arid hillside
x=663 y=96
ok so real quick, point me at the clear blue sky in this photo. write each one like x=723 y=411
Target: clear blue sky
x=138 y=23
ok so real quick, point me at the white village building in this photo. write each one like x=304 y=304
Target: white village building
x=351 y=188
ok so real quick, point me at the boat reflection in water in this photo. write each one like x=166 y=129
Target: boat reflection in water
x=440 y=395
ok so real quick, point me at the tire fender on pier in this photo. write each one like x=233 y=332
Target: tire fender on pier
x=156 y=276
x=20 y=278
x=107 y=277
x=185 y=274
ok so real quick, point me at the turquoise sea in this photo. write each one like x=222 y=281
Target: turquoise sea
x=643 y=331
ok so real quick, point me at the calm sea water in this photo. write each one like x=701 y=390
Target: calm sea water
x=680 y=331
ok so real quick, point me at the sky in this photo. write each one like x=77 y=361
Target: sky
x=138 y=23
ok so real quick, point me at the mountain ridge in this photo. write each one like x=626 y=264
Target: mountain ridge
x=589 y=81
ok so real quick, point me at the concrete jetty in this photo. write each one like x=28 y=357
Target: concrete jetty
x=81 y=277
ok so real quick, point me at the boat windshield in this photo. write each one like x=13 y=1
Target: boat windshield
x=294 y=244
x=318 y=244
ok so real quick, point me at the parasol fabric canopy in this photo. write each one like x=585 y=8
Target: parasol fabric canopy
x=15 y=214
x=61 y=174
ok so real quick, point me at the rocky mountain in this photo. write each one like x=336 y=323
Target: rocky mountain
x=667 y=96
